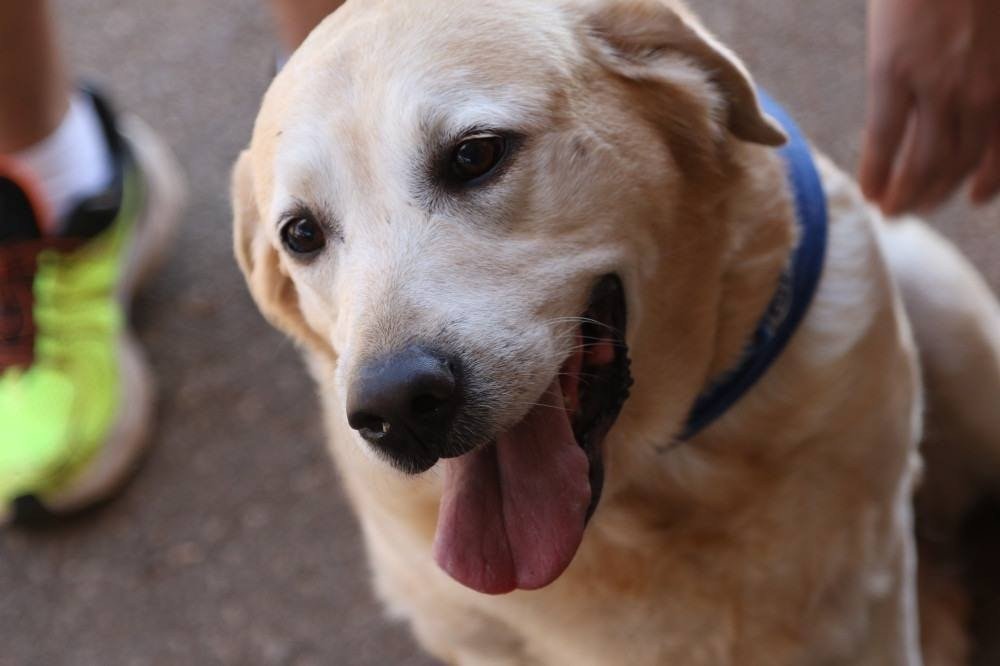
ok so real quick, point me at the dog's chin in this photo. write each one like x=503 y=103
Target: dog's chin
x=513 y=511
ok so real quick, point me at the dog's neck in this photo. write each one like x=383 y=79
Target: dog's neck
x=794 y=293
x=700 y=309
x=761 y=226
x=702 y=305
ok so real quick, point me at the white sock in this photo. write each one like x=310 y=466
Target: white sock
x=73 y=162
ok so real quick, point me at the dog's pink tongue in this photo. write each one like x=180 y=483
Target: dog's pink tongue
x=512 y=514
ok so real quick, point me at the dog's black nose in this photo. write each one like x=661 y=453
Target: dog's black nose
x=404 y=405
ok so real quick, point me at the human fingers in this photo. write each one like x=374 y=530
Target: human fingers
x=927 y=148
x=889 y=106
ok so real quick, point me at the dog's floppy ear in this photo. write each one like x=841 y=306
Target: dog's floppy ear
x=271 y=288
x=639 y=39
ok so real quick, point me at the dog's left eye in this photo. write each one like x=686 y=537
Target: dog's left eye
x=477 y=156
x=303 y=236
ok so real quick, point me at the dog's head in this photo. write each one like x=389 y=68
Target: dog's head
x=459 y=204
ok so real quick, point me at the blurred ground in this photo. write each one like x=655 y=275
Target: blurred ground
x=235 y=546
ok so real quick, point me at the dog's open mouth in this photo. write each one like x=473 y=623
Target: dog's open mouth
x=513 y=513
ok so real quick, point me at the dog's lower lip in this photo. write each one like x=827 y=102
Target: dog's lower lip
x=604 y=387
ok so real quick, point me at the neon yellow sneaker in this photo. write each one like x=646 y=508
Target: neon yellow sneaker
x=76 y=393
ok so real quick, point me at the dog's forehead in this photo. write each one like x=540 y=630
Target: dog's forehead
x=499 y=33
x=442 y=54
x=391 y=73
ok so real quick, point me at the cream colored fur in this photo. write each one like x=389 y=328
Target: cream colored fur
x=781 y=535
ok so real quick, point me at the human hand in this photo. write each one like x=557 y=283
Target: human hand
x=933 y=102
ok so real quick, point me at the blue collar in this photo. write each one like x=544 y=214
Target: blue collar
x=795 y=288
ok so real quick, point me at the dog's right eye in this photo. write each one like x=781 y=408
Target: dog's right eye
x=476 y=157
x=303 y=236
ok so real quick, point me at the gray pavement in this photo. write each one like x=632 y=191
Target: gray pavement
x=235 y=545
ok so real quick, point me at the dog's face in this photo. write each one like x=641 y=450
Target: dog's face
x=456 y=202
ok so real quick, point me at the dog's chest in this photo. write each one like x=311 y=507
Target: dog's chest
x=697 y=602
x=703 y=603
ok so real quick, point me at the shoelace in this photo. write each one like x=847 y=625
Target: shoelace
x=18 y=269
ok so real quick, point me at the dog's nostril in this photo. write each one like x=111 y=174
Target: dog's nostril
x=369 y=425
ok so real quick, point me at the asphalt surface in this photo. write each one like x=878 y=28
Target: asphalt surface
x=235 y=545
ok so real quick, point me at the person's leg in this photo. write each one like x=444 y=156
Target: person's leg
x=86 y=199
x=297 y=18
x=49 y=134
x=33 y=84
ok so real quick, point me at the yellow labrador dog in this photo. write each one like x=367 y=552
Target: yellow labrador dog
x=472 y=214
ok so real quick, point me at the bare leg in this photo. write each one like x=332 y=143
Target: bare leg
x=33 y=85
x=297 y=18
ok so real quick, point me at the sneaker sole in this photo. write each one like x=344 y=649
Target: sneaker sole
x=117 y=461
